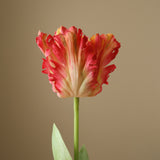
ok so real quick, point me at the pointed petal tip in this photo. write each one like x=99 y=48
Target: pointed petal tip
x=39 y=32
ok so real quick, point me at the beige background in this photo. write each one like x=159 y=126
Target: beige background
x=122 y=122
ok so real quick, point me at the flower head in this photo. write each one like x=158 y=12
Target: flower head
x=76 y=65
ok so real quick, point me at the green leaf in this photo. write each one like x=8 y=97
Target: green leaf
x=83 y=155
x=60 y=151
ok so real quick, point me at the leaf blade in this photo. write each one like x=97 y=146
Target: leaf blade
x=83 y=155
x=60 y=151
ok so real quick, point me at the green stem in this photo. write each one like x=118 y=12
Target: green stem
x=76 y=128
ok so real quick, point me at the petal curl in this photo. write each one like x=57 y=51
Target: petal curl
x=40 y=40
x=105 y=49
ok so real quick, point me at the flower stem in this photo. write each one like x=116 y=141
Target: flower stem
x=76 y=128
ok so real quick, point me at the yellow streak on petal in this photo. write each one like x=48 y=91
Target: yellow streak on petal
x=59 y=30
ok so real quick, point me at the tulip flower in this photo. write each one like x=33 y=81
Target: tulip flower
x=77 y=66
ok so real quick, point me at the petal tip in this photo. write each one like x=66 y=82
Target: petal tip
x=39 y=32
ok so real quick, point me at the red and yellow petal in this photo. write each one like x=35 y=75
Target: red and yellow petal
x=105 y=48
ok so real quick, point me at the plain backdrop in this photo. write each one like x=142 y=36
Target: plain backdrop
x=122 y=122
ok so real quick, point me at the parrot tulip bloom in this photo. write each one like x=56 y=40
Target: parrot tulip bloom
x=76 y=65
